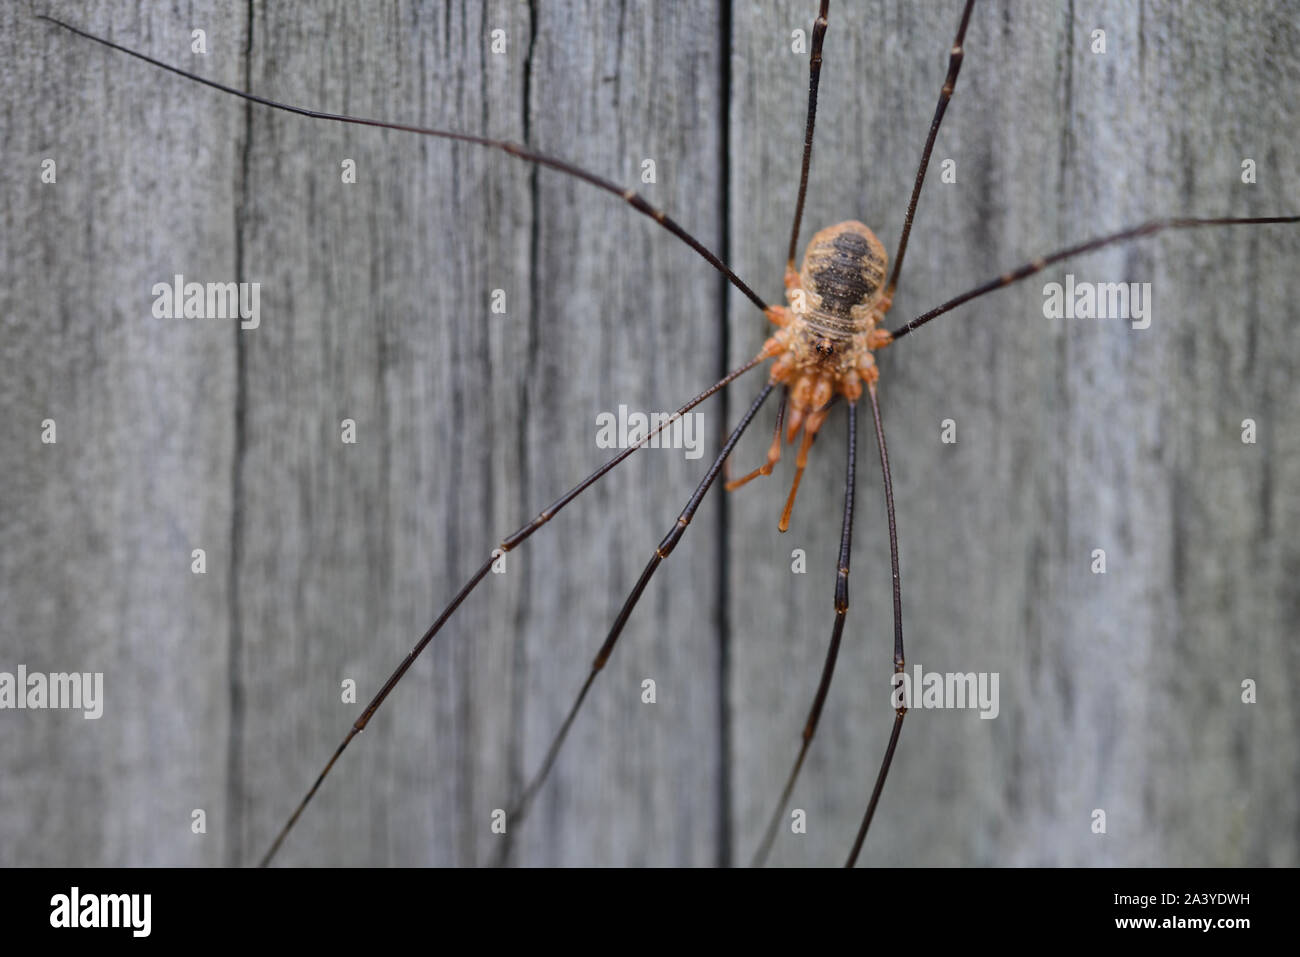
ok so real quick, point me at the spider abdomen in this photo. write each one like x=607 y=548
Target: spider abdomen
x=843 y=276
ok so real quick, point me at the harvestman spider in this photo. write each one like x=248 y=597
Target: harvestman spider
x=834 y=358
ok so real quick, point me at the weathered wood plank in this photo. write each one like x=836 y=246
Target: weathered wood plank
x=326 y=560
x=472 y=421
x=1122 y=691
x=98 y=528
x=376 y=308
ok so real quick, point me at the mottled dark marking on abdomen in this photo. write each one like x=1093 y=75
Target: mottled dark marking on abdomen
x=840 y=282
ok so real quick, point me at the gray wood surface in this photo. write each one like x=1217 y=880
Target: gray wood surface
x=326 y=561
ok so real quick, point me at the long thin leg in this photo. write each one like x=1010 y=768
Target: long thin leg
x=665 y=547
x=828 y=669
x=1042 y=262
x=945 y=94
x=509 y=543
x=898 y=630
x=814 y=77
x=629 y=196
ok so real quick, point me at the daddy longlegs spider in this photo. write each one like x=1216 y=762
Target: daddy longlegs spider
x=732 y=573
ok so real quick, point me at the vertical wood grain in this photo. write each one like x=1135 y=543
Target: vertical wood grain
x=326 y=561
x=1122 y=691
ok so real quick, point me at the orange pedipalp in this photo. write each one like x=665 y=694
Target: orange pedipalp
x=784 y=524
x=795 y=421
x=745 y=480
x=810 y=432
x=773 y=456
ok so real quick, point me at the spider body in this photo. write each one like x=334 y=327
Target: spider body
x=826 y=337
